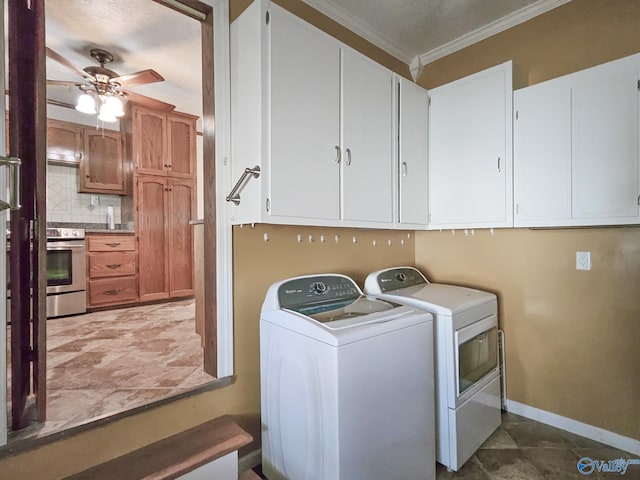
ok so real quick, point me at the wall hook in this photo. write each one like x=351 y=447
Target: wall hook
x=336 y=238
x=355 y=240
x=266 y=237
x=299 y=237
x=389 y=242
x=322 y=239
x=311 y=239
x=374 y=243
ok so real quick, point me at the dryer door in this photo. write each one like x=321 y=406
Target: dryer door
x=476 y=355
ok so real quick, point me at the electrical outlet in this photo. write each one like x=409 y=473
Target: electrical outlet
x=94 y=200
x=583 y=260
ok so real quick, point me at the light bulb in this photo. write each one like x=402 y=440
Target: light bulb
x=86 y=104
x=106 y=116
x=112 y=106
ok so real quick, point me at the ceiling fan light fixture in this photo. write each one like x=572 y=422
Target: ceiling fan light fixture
x=106 y=116
x=112 y=106
x=86 y=104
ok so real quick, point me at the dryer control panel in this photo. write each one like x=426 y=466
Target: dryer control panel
x=397 y=278
x=317 y=289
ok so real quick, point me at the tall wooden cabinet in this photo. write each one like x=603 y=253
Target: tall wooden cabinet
x=163 y=150
x=165 y=206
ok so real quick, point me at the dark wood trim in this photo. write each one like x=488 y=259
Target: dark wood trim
x=27 y=117
x=203 y=9
x=209 y=183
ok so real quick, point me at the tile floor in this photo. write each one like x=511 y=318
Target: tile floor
x=522 y=449
x=105 y=362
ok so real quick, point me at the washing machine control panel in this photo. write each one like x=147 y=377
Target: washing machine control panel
x=319 y=288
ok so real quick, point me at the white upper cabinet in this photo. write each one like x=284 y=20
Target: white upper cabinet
x=576 y=159
x=316 y=117
x=367 y=153
x=305 y=114
x=413 y=168
x=470 y=144
x=542 y=154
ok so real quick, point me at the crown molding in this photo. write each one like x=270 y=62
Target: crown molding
x=500 y=25
x=356 y=26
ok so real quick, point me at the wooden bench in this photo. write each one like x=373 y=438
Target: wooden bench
x=174 y=456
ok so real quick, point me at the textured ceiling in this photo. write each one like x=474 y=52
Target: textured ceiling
x=140 y=34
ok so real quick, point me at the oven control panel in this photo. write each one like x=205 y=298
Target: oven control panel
x=65 y=233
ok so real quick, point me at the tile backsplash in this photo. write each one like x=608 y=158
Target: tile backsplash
x=65 y=204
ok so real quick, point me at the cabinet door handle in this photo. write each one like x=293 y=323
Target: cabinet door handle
x=111 y=292
x=338 y=154
x=499 y=170
x=113 y=266
x=13 y=165
x=348 y=156
x=112 y=244
x=404 y=169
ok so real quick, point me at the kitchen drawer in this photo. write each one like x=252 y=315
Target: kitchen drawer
x=109 y=291
x=112 y=264
x=111 y=243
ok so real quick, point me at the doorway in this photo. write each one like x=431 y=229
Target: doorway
x=153 y=313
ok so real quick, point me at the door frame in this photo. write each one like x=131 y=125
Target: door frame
x=3 y=242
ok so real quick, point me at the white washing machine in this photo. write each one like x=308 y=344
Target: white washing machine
x=347 y=386
x=466 y=357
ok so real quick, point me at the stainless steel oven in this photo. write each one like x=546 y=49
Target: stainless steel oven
x=66 y=272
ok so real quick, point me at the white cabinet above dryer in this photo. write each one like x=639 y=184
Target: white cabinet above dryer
x=316 y=117
x=470 y=151
x=576 y=160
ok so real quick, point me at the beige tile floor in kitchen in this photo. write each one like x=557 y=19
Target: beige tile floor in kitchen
x=106 y=362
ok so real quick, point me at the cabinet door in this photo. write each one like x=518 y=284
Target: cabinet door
x=153 y=242
x=542 y=155
x=64 y=142
x=102 y=165
x=181 y=146
x=181 y=209
x=367 y=153
x=413 y=151
x=470 y=151
x=304 y=120
x=605 y=146
x=150 y=145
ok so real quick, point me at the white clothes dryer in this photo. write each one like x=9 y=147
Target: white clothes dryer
x=346 y=380
x=466 y=357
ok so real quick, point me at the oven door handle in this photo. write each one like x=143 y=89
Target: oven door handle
x=13 y=164
x=58 y=246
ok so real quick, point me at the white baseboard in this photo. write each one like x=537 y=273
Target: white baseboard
x=250 y=460
x=598 y=434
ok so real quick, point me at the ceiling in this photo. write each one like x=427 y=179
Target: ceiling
x=141 y=34
x=144 y=34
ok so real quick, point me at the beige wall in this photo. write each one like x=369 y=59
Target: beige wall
x=572 y=337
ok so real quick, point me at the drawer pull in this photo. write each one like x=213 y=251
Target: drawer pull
x=111 y=292
x=113 y=266
x=112 y=244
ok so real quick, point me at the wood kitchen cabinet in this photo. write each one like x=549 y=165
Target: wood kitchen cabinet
x=97 y=152
x=111 y=270
x=165 y=238
x=102 y=166
x=320 y=126
x=470 y=151
x=162 y=143
x=64 y=142
x=576 y=159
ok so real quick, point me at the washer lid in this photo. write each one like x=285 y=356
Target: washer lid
x=333 y=311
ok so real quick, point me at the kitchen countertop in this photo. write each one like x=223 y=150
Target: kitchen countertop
x=121 y=229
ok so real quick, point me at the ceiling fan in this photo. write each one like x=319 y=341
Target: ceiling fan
x=103 y=90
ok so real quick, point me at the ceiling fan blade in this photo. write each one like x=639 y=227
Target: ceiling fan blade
x=63 y=83
x=138 y=78
x=66 y=63
x=149 y=102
